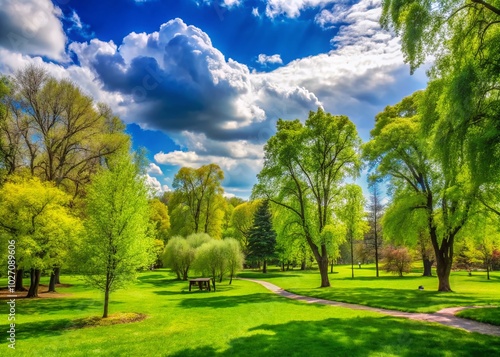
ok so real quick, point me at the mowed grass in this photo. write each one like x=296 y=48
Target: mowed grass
x=389 y=291
x=243 y=319
x=487 y=315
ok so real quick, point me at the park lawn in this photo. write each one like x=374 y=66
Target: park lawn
x=243 y=319
x=388 y=291
x=488 y=315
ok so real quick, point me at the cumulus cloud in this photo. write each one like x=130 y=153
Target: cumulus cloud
x=175 y=80
x=255 y=12
x=292 y=8
x=32 y=27
x=154 y=169
x=265 y=59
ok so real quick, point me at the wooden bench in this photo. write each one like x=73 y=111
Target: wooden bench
x=203 y=283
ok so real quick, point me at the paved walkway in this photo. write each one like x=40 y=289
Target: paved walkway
x=445 y=317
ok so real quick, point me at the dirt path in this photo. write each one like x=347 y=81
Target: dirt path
x=445 y=317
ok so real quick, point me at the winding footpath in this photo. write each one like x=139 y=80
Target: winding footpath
x=445 y=316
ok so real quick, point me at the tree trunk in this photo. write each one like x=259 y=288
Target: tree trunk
x=323 y=270
x=427 y=266
x=230 y=278
x=52 y=283
x=444 y=262
x=352 y=257
x=331 y=267
x=106 y=302
x=303 y=265
x=34 y=283
x=19 y=280
x=57 y=273
x=488 y=272
x=213 y=283
x=283 y=266
x=264 y=266
x=376 y=253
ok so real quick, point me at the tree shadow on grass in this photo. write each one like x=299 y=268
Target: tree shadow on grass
x=269 y=275
x=403 y=300
x=56 y=306
x=41 y=329
x=224 y=301
x=353 y=337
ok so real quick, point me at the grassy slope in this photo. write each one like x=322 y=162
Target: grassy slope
x=239 y=320
x=488 y=315
x=389 y=291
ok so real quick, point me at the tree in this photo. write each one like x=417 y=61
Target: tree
x=463 y=37
x=352 y=215
x=198 y=197
x=375 y=213
x=426 y=187
x=305 y=165
x=160 y=219
x=262 y=237
x=242 y=220
x=179 y=256
x=397 y=260
x=53 y=131
x=116 y=244
x=211 y=260
x=36 y=216
x=234 y=257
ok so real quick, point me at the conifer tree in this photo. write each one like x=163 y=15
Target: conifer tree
x=262 y=237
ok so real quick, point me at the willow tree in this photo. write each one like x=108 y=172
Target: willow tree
x=305 y=166
x=463 y=37
x=426 y=188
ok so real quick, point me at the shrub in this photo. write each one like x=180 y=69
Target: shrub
x=397 y=260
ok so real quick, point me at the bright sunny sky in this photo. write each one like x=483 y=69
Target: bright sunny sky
x=202 y=81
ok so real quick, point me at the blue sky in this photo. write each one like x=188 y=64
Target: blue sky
x=200 y=81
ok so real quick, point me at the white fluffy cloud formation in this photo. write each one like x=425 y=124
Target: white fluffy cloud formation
x=292 y=8
x=274 y=59
x=32 y=27
x=154 y=169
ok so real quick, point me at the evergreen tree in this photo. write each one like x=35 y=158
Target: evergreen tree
x=262 y=237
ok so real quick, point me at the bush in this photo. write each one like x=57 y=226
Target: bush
x=179 y=256
x=397 y=260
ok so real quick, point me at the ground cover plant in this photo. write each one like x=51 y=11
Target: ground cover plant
x=389 y=291
x=242 y=319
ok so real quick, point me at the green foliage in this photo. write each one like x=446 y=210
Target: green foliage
x=304 y=167
x=179 y=256
x=211 y=260
x=242 y=220
x=234 y=257
x=116 y=244
x=36 y=216
x=197 y=204
x=262 y=237
x=56 y=132
x=160 y=219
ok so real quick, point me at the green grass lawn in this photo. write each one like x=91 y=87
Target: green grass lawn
x=243 y=319
x=389 y=291
x=488 y=315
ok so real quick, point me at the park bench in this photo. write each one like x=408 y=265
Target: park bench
x=203 y=283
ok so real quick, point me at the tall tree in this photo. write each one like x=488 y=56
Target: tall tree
x=305 y=165
x=375 y=213
x=423 y=182
x=352 y=215
x=198 y=194
x=262 y=236
x=116 y=244
x=463 y=37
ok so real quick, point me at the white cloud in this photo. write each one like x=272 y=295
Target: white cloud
x=32 y=27
x=154 y=185
x=265 y=59
x=292 y=8
x=154 y=169
x=255 y=12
